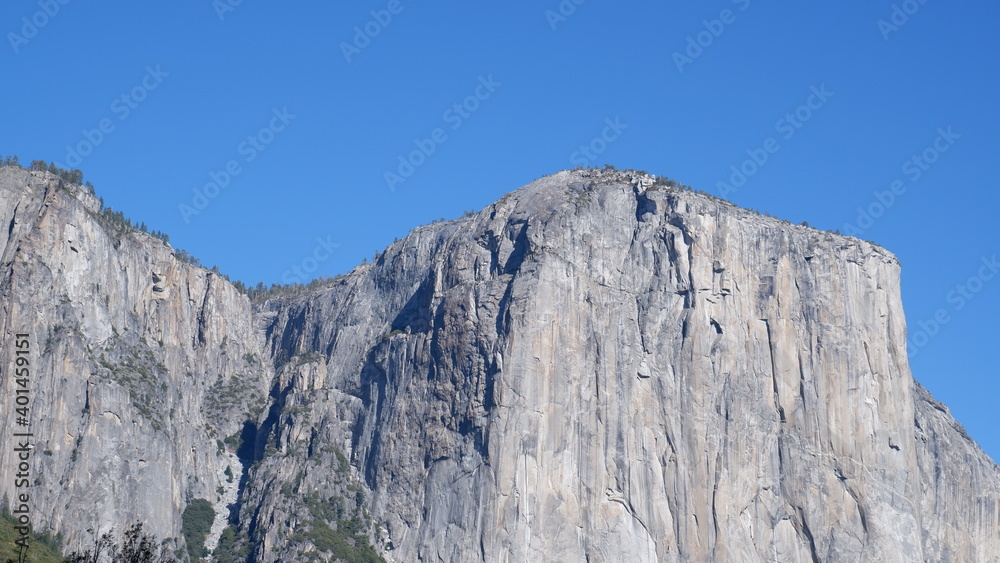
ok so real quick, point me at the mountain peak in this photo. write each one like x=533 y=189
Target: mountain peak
x=598 y=366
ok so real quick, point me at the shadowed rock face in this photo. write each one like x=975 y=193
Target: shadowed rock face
x=594 y=368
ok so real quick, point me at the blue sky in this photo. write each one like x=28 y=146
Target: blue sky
x=299 y=111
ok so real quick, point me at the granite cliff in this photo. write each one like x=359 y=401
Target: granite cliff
x=597 y=367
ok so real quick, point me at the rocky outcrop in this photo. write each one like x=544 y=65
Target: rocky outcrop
x=142 y=364
x=595 y=368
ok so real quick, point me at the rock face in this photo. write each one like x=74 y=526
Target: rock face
x=594 y=368
x=141 y=363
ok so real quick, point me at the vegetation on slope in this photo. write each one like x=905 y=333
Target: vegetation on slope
x=42 y=547
x=196 y=523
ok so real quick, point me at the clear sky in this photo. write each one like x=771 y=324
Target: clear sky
x=287 y=118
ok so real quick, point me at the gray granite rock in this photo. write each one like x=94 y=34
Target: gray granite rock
x=595 y=368
x=140 y=364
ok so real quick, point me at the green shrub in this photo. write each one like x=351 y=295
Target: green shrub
x=42 y=548
x=196 y=522
x=344 y=543
x=343 y=465
x=232 y=548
